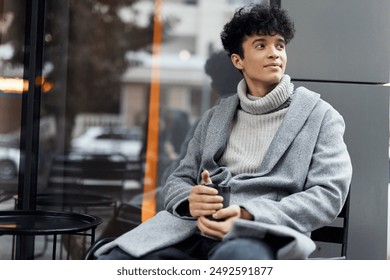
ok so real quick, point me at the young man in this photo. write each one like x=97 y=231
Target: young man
x=279 y=149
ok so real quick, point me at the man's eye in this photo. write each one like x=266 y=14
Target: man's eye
x=281 y=46
x=260 y=46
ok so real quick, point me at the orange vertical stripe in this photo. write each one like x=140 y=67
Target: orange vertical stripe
x=150 y=179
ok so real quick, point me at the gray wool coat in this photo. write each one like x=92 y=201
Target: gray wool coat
x=302 y=183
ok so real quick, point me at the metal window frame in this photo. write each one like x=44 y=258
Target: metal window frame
x=31 y=108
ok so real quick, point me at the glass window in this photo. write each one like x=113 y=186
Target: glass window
x=123 y=84
x=12 y=86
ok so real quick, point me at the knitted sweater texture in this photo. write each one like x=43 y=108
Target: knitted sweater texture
x=254 y=127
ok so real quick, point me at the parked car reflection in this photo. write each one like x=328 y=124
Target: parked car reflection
x=9 y=163
x=110 y=140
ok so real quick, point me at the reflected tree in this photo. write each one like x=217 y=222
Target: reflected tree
x=86 y=42
x=98 y=39
x=85 y=46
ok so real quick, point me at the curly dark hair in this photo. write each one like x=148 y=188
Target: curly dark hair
x=255 y=19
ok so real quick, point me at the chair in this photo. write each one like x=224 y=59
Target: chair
x=83 y=183
x=95 y=246
x=102 y=175
x=336 y=233
x=125 y=219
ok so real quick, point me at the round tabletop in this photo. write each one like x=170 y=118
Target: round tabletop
x=38 y=222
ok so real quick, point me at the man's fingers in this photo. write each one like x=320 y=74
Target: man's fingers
x=202 y=212
x=200 y=189
x=231 y=211
x=207 y=199
x=206 y=206
x=205 y=178
x=211 y=228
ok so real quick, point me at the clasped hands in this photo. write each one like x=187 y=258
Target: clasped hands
x=205 y=201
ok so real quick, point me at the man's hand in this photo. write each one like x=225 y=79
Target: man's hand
x=204 y=201
x=220 y=228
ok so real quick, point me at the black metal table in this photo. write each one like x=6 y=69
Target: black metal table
x=20 y=222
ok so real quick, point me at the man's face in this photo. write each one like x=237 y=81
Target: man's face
x=264 y=62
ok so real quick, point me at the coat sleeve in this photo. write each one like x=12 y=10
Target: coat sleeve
x=178 y=185
x=325 y=188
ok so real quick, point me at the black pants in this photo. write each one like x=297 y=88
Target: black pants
x=198 y=247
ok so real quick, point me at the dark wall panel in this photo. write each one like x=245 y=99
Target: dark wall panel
x=340 y=40
x=365 y=109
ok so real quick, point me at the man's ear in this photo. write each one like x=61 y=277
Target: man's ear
x=237 y=61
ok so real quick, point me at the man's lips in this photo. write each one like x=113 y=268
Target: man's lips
x=273 y=65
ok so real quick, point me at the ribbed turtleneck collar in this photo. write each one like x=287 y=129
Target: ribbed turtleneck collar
x=261 y=105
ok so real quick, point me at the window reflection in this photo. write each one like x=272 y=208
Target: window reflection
x=12 y=86
x=98 y=62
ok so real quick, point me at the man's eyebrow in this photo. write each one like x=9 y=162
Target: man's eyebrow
x=257 y=40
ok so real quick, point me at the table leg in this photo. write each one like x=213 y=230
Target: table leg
x=54 y=246
x=13 y=248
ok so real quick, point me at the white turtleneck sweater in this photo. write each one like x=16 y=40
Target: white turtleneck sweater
x=254 y=126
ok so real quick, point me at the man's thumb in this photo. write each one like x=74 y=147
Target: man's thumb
x=206 y=177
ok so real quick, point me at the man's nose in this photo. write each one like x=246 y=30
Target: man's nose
x=274 y=54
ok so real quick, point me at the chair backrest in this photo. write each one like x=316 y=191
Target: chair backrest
x=99 y=175
x=89 y=255
x=335 y=233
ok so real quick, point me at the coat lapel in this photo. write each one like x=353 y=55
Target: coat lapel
x=302 y=105
x=217 y=134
